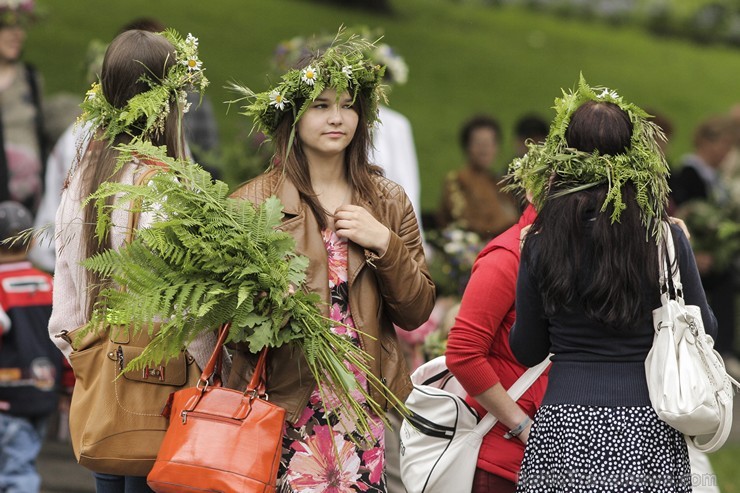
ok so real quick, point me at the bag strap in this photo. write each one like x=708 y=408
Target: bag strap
x=257 y=385
x=515 y=392
x=719 y=438
x=212 y=370
x=668 y=276
x=213 y=367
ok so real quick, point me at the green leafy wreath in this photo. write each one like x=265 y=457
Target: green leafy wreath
x=643 y=164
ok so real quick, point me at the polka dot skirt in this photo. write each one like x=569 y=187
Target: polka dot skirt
x=575 y=448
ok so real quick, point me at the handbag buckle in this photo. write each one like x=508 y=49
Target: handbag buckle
x=157 y=373
x=254 y=394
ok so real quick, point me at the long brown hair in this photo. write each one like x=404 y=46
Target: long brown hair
x=131 y=55
x=360 y=171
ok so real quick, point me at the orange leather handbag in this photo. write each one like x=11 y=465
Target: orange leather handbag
x=220 y=439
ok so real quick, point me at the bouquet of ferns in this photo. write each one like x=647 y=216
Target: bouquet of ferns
x=207 y=260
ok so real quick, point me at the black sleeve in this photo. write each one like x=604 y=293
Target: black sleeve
x=687 y=185
x=529 y=337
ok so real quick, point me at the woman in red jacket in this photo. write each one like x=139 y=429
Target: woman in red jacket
x=478 y=354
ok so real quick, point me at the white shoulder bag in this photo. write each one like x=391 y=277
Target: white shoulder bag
x=688 y=385
x=441 y=438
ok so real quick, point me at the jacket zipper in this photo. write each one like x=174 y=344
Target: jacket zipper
x=211 y=417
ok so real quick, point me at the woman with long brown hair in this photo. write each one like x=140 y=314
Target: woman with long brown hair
x=137 y=64
x=366 y=261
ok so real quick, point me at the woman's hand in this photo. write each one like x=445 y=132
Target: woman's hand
x=679 y=222
x=523 y=236
x=524 y=436
x=358 y=225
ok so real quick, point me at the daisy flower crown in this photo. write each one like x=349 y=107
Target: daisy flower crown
x=289 y=52
x=643 y=164
x=343 y=66
x=146 y=113
x=17 y=12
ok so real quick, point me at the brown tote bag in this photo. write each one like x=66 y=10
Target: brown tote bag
x=116 y=422
x=219 y=439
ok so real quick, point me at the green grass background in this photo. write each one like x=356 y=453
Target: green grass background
x=464 y=58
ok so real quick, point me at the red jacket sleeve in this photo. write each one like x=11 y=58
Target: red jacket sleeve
x=486 y=308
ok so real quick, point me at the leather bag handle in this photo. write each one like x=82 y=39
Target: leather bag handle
x=214 y=362
x=259 y=376
x=258 y=381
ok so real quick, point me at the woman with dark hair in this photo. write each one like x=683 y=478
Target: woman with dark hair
x=587 y=285
x=366 y=261
x=137 y=65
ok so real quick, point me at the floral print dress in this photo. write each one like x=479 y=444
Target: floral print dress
x=319 y=453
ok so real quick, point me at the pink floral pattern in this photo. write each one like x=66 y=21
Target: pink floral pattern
x=321 y=451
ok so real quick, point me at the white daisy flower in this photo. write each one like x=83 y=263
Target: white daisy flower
x=192 y=63
x=309 y=75
x=606 y=93
x=278 y=100
x=191 y=40
x=347 y=70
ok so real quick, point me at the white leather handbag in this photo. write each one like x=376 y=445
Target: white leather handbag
x=441 y=438
x=688 y=385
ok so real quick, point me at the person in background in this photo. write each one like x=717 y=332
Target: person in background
x=30 y=365
x=130 y=57
x=472 y=199
x=23 y=143
x=586 y=288
x=700 y=179
x=393 y=147
x=366 y=261
x=529 y=127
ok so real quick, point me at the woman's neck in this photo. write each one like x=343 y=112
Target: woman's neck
x=329 y=183
x=327 y=174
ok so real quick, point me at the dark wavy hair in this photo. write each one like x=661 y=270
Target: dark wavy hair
x=581 y=259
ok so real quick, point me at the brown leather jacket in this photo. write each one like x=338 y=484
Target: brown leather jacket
x=395 y=288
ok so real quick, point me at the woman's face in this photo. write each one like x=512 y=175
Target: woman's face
x=482 y=148
x=328 y=125
x=12 y=39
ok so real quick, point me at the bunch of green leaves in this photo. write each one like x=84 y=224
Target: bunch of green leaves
x=570 y=170
x=714 y=230
x=344 y=66
x=208 y=259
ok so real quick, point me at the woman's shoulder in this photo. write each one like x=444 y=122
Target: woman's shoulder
x=258 y=189
x=388 y=189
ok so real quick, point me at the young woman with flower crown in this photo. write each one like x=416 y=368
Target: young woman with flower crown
x=137 y=64
x=586 y=288
x=360 y=234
